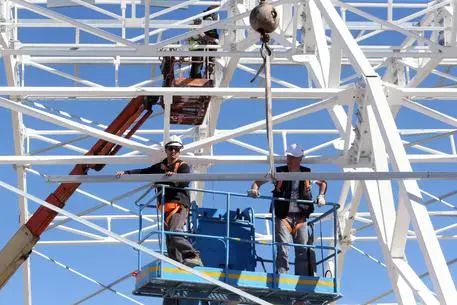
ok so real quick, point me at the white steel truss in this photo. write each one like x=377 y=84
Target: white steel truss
x=367 y=87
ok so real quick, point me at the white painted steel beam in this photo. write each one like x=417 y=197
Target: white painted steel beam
x=137 y=23
x=201 y=159
x=170 y=3
x=55 y=142
x=62 y=74
x=158 y=3
x=354 y=53
x=85 y=120
x=261 y=124
x=57 y=16
x=382 y=208
x=66 y=53
x=259 y=177
x=430 y=112
x=110 y=241
x=97 y=9
x=205 y=28
x=436 y=264
x=391 y=25
x=187 y=20
x=144 y=159
x=43 y=115
x=89 y=54
x=129 y=92
x=10 y=66
x=424 y=70
x=322 y=50
x=411 y=199
x=80 y=232
x=426 y=93
x=167 y=101
x=403 y=132
x=423 y=275
x=415 y=282
x=415 y=64
x=335 y=62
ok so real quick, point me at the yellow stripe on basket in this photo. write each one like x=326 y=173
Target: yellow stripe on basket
x=143 y=274
x=208 y=273
x=247 y=277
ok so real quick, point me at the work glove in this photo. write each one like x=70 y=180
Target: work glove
x=320 y=200
x=253 y=193
x=119 y=174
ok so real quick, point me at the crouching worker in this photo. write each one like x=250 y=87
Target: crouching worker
x=177 y=203
x=291 y=216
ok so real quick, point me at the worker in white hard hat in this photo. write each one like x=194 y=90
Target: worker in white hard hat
x=177 y=202
x=291 y=216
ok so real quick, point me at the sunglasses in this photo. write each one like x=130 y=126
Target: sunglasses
x=171 y=148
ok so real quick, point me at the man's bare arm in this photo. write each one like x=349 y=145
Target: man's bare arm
x=255 y=186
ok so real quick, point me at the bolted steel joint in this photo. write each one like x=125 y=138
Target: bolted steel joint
x=264 y=18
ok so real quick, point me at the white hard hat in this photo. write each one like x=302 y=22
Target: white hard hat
x=174 y=141
x=294 y=150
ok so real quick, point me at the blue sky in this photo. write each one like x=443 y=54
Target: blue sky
x=362 y=278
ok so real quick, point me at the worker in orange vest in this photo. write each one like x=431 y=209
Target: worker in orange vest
x=290 y=215
x=177 y=203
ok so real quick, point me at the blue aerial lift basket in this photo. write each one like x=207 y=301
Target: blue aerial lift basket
x=227 y=248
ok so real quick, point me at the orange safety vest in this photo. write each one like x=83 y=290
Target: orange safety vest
x=293 y=230
x=171 y=208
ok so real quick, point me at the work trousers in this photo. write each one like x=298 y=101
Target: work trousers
x=197 y=65
x=178 y=247
x=283 y=235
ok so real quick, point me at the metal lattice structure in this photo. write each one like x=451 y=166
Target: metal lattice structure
x=381 y=73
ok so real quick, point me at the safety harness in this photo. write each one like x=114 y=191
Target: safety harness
x=297 y=226
x=171 y=208
x=301 y=221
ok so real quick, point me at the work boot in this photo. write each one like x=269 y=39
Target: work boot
x=193 y=262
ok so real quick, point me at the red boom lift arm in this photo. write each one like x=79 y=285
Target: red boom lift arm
x=18 y=248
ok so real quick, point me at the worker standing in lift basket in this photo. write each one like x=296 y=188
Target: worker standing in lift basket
x=210 y=37
x=291 y=215
x=177 y=203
